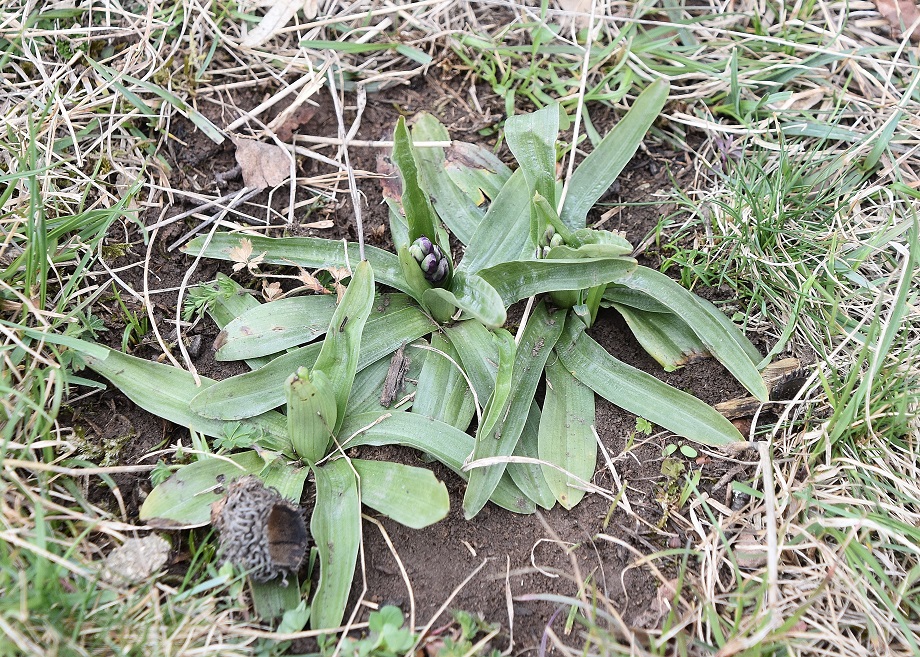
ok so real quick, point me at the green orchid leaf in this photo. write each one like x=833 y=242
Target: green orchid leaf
x=666 y=337
x=165 y=391
x=473 y=295
x=584 y=236
x=565 y=436
x=411 y=496
x=232 y=301
x=442 y=393
x=311 y=413
x=504 y=423
x=476 y=170
x=518 y=280
x=420 y=216
x=478 y=352
x=532 y=140
x=723 y=340
x=250 y=394
x=184 y=500
x=529 y=476
x=443 y=442
x=600 y=169
x=269 y=328
x=306 y=252
x=336 y=530
x=640 y=393
x=340 y=353
x=455 y=208
x=504 y=233
x=367 y=391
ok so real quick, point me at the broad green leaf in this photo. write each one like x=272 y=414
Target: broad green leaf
x=306 y=252
x=184 y=500
x=253 y=393
x=532 y=140
x=565 y=437
x=368 y=387
x=722 y=340
x=338 y=358
x=442 y=393
x=526 y=278
x=336 y=529
x=416 y=280
x=529 y=476
x=640 y=393
x=620 y=294
x=285 y=478
x=269 y=328
x=420 y=216
x=232 y=301
x=445 y=443
x=476 y=171
x=272 y=599
x=478 y=353
x=474 y=296
x=311 y=413
x=411 y=496
x=600 y=169
x=504 y=382
x=455 y=208
x=165 y=391
x=504 y=233
x=499 y=438
x=666 y=337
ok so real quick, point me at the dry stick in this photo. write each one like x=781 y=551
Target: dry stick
x=74 y=472
x=364 y=143
x=352 y=184
x=148 y=305
x=188 y=213
x=241 y=197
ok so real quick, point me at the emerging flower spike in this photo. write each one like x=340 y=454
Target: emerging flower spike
x=431 y=259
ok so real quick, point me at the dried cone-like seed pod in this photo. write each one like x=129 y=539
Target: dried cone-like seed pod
x=260 y=531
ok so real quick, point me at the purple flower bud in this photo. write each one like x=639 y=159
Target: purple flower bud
x=429 y=264
x=425 y=244
x=416 y=252
x=441 y=273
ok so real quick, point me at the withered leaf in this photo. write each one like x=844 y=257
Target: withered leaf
x=262 y=165
x=901 y=15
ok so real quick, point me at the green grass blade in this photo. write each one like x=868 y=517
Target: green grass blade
x=529 y=476
x=526 y=278
x=269 y=328
x=455 y=208
x=414 y=54
x=640 y=393
x=442 y=393
x=474 y=296
x=600 y=169
x=411 y=496
x=336 y=529
x=165 y=391
x=306 y=252
x=445 y=443
x=338 y=358
x=504 y=422
x=565 y=435
x=722 y=339
x=184 y=500
x=504 y=234
x=478 y=354
x=532 y=140
x=666 y=337
x=252 y=393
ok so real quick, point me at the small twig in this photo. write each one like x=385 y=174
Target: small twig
x=237 y=198
x=352 y=183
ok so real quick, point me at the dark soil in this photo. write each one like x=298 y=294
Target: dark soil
x=439 y=558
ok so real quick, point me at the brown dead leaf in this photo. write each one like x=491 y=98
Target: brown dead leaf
x=271 y=291
x=295 y=118
x=902 y=16
x=262 y=165
x=242 y=256
x=312 y=283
